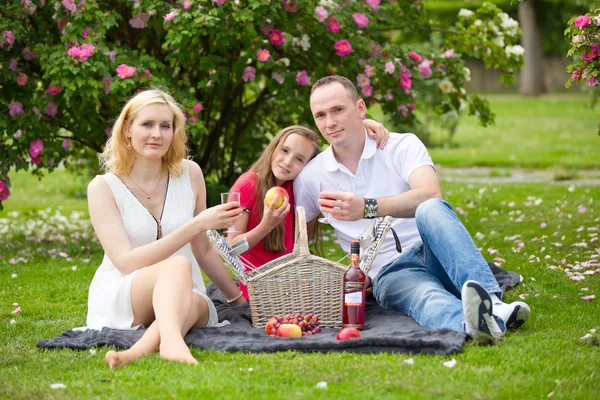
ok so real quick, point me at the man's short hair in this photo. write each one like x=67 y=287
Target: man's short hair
x=347 y=83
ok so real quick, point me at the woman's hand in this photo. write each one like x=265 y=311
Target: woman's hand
x=218 y=217
x=274 y=216
x=377 y=131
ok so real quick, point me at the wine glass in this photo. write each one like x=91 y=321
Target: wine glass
x=226 y=198
x=328 y=187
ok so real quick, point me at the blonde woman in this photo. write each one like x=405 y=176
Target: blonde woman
x=149 y=213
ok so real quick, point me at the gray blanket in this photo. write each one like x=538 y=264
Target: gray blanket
x=386 y=331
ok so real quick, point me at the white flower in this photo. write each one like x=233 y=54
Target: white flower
x=446 y=86
x=509 y=25
x=465 y=13
x=284 y=61
x=494 y=28
x=577 y=39
x=499 y=41
x=478 y=22
x=305 y=42
x=517 y=50
x=463 y=105
x=467 y=73
x=328 y=3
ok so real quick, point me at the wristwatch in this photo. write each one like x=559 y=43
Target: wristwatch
x=370 y=208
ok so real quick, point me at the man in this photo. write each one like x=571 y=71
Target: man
x=440 y=279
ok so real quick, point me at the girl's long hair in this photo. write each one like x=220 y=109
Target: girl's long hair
x=119 y=158
x=274 y=241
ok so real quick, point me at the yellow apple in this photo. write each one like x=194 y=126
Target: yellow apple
x=289 y=330
x=276 y=190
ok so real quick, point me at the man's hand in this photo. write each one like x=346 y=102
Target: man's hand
x=343 y=206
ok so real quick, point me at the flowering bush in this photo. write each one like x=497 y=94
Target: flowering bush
x=240 y=69
x=585 y=48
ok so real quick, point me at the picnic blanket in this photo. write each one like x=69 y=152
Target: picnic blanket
x=385 y=331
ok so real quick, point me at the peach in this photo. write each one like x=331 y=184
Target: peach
x=280 y=192
x=289 y=330
x=348 y=333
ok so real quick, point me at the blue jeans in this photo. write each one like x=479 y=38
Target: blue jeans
x=425 y=282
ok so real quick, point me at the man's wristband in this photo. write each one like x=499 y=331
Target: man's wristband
x=370 y=208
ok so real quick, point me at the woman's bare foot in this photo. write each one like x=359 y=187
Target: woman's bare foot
x=114 y=359
x=179 y=352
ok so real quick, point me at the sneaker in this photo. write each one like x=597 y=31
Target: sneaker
x=514 y=314
x=478 y=312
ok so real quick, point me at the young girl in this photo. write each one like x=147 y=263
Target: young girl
x=269 y=230
x=149 y=213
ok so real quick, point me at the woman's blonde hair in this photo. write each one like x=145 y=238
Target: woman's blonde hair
x=274 y=241
x=118 y=156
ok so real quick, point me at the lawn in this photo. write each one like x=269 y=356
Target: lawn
x=548 y=233
x=558 y=131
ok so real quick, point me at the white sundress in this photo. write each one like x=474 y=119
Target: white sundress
x=109 y=301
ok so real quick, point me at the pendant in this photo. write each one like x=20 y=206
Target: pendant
x=148 y=197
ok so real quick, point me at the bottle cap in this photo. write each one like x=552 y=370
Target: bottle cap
x=355 y=247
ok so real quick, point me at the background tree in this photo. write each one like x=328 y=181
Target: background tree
x=240 y=69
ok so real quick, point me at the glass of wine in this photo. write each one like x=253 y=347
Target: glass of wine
x=328 y=187
x=226 y=198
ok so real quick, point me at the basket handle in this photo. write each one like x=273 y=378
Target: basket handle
x=301 y=243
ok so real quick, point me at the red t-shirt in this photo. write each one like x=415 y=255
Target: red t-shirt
x=246 y=185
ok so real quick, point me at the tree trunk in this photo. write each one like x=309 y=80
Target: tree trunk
x=531 y=81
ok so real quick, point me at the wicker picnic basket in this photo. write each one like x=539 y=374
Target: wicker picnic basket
x=299 y=282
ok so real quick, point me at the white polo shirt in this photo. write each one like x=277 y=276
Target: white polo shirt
x=380 y=173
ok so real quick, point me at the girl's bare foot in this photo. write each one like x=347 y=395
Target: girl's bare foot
x=179 y=352
x=114 y=359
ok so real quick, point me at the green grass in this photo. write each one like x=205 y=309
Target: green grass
x=545 y=356
x=553 y=131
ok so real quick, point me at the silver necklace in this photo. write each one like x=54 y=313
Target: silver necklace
x=147 y=194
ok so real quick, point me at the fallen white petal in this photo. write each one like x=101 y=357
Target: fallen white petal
x=13 y=276
x=15 y=304
x=250 y=369
x=58 y=386
x=321 y=385
x=593 y=330
x=74 y=268
x=586 y=336
x=92 y=351
x=449 y=364
x=16 y=310
x=410 y=361
x=12 y=321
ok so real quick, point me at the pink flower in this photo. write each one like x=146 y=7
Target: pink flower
x=425 y=68
x=22 y=79
x=361 y=20
x=278 y=77
x=66 y=144
x=363 y=80
x=576 y=75
x=15 y=108
x=147 y=73
x=28 y=54
x=367 y=91
x=140 y=21
x=266 y=29
x=51 y=109
x=592 y=53
x=249 y=74
x=415 y=56
x=405 y=82
x=193 y=118
x=582 y=21
x=37 y=112
x=9 y=38
x=169 y=17
x=389 y=96
x=107 y=80
x=369 y=70
x=111 y=54
x=321 y=13
x=36 y=147
x=87 y=50
x=390 y=67
x=276 y=37
x=125 y=71
x=302 y=78
x=448 y=53
x=290 y=6
x=197 y=107
x=69 y=5
x=592 y=81
x=53 y=90
x=374 y=4
x=85 y=33
x=219 y=2
x=342 y=48
x=4 y=192
x=334 y=25
x=13 y=64
x=263 y=55
x=186 y=4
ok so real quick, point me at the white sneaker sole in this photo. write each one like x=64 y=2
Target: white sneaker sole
x=478 y=311
x=519 y=315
